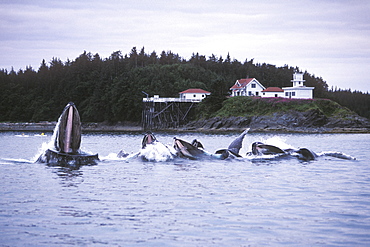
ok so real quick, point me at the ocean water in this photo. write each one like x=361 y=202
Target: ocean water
x=239 y=202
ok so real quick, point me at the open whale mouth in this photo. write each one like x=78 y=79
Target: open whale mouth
x=187 y=150
x=149 y=138
x=68 y=138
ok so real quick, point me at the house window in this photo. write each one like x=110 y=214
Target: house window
x=194 y=95
x=250 y=93
x=256 y=93
x=275 y=95
x=293 y=93
x=253 y=85
x=263 y=93
x=202 y=95
x=286 y=94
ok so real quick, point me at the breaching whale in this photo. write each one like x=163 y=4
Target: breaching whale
x=66 y=142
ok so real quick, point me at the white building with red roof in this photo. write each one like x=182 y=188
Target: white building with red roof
x=272 y=92
x=190 y=95
x=247 y=87
x=252 y=87
x=196 y=94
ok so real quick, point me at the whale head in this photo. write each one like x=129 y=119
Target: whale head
x=68 y=136
x=149 y=138
x=306 y=155
x=187 y=150
x=259 y=148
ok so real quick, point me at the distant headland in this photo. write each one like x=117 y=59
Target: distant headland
x=238 y=113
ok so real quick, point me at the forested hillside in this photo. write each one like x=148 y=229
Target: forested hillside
x=110 y=89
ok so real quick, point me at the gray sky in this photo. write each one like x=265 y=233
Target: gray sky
x=328 y=38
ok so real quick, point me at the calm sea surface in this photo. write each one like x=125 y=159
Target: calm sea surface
x=325 y=202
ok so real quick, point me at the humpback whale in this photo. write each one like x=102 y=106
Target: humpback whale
x=186 y=150
x=303 y=154
x=261 y=149
x=151 y=150
x=67 y=140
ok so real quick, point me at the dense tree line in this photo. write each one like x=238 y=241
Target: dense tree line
x=110 y=89
x=356 y=101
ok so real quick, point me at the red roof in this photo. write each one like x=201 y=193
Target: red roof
x=242 y=83
x=273 y=89
x=195 y=90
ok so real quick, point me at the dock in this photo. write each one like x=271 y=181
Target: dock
x=164 y=113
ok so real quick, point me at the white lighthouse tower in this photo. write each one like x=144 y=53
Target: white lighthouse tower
x=299 y=90
x=298 y=80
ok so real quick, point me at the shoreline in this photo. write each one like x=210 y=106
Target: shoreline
x=135 y=127
x=86 y=127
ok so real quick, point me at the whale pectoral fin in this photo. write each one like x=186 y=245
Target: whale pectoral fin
x=237 y=144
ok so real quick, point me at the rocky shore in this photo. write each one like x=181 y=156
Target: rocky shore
x=313 y=121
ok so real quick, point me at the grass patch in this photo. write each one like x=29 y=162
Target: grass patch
x=242 y=106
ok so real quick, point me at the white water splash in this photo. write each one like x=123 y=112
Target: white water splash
x=278 y=142
x=335 y=154
x=157 y=151
x=114 y=157
x=48 y=145
x=12 y=161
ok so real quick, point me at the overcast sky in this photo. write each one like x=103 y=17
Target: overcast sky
x=328 y=38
